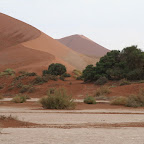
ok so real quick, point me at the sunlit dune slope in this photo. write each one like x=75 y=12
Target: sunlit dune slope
x=25 y=47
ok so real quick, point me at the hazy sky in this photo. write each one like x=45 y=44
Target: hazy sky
x=114 y=24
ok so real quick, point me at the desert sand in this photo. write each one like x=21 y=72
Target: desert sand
x=84 y=45
x=24 y=47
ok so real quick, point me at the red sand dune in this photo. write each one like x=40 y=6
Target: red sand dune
x=24 y=47
x=84 y=45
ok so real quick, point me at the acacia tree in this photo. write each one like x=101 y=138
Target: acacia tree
x=129 y=63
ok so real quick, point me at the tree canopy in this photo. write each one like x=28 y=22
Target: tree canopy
x=115 y=65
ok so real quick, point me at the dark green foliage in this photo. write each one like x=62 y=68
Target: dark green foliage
x=116 y=65
x=66 y=75
x=101 y=81
x=56 y=69
x=27 y=88
x=7 y=72
x=43 y=79
x=59 y=99
x=90 y=100
x=62 y=78
x=45 y=72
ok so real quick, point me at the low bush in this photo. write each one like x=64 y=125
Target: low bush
x=27 y=88
x=90 y=100
x=19 y=98
x=102 y=91
x=7 y=72
x=124 y=82
x=55 y=69
x=43 y=79
x=136 y=100
x=101 y=81
x=119 y=101
x=77 y=74
x=57 y=100
x=62 y=78
x=131 y=101
x=66 y=75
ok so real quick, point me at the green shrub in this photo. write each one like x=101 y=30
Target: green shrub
x=45 y=72
x=40 y=80
x=102 y=91
x=27 y=88
x=57 y=100
x=119 y=101
x=62 y=78
x=19 y=98
x=24 y=73
x=7 y=72
x=43 y=79
x=56 y=69
x=66 y=75
x=116 y=65
x=101 y=81
x=90 y=100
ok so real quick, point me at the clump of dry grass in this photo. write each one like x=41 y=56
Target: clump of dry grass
x=102 y=91
x=57 y=99
x=19 y=98
x=119 y=101
x=131 y=101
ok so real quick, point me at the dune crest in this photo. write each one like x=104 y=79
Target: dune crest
x=84 y=45
x=25 y=47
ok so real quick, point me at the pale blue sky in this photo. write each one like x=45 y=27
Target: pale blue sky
x=114 y=24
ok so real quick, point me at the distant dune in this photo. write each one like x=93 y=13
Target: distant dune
x=84 y=45
x=25 y=47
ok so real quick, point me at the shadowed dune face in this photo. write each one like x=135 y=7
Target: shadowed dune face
x=13 y=32
x=24 y=47
x=22 y=58
x=84 y=45
x=47 y=44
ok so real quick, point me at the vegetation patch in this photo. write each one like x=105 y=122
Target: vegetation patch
x=102 y=91
x=43 y=79
x=19 y=98
x=27 y=88
x=101 y=81
x=116 y=65
x=55 y=69
x=90 y=100
x=131 y=101
x=119 y=101
x=59 y=99
x=77 y=74
x=7 y=72
x=124 y=82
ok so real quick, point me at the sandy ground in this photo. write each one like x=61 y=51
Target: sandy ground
x=72 y=136
x=53 y=130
